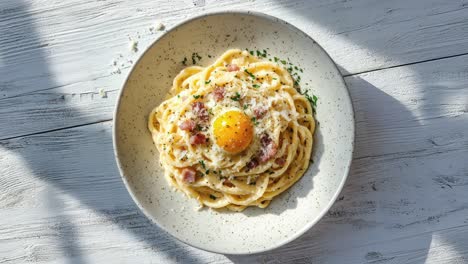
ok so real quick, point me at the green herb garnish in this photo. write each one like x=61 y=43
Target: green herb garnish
x=184 y=62
x=314 y=99
x=202 y=163
x=196 y=96
x=255 y=86
x=249 y=73
x=207 y=82
x=254 y=120
x=236 y=97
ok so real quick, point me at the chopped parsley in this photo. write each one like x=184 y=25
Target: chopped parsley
x=212 y=197
x=254 y=120
x=202 y=163
x=249 y=73
x=184 y=62
x=276 y=59
x=236 y=97
x=312 y=100
x=207 y=172
x=283 y=61
x=245 y=106
x=255 y=86
x=210 y=111
x=196 y=96
x=199 y=127
x=252 y=52
x=207 y=82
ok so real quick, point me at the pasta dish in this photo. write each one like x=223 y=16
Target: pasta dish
x=234 y=134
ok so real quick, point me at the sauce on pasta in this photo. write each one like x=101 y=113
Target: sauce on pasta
x=235 y=133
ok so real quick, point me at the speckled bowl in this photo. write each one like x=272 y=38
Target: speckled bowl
x=290 y=214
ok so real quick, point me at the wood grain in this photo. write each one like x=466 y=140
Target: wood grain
x=56 y=56
x=403 y=203
x=61 y=197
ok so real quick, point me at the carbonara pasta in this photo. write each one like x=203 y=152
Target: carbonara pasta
x=234 y=134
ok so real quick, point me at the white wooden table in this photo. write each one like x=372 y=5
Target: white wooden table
x=405 y=63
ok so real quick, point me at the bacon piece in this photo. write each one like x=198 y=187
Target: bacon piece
x=228 y=183
x=232 y=67
x=252 y=164
x=280 y=161
x=260 y=112
x=218 y=93
x=265 y=140
x=200 y=110
x=188 y=125
x=188 y=175
x=269 y=148
x=197 y=139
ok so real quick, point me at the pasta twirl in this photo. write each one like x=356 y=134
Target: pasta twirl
x=234 y=134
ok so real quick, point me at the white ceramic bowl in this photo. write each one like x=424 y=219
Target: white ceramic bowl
x=290 y=214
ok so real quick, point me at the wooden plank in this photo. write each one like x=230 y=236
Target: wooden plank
x=68 y=203
x=409 y=176
x=48 y=44
x=54 y=59
x=428 y=96
x=441 y=246
x=62 y=200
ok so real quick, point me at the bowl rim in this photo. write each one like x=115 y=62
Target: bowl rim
x=347 y=98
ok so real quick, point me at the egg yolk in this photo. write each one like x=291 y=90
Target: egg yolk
x=233 y=131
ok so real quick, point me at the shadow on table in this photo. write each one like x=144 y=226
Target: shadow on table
x=385 y=222
x=55 y=163
x=355 y=211
x=355 y=217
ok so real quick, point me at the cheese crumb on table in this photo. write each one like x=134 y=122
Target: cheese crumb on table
x=102 y=93
x=160 y=26
x=133 y=45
